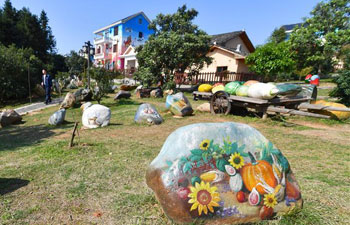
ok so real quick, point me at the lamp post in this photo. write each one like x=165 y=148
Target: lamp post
x=90 y=51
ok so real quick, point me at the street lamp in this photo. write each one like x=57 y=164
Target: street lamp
x=90 y=51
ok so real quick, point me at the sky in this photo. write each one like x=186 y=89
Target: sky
x=73 y=21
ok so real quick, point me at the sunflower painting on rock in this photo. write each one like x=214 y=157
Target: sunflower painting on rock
x=222 y=173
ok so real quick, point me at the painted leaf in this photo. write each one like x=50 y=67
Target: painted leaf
x=221 y=163
x=197 y=152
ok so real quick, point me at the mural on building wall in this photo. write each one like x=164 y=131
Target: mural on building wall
x=133 y=32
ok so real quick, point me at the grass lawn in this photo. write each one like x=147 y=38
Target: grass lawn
x=102 y=179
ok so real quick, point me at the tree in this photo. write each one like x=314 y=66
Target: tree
x=176 y=45
x=75 y=63
x=318 y=41
x=104 y=80
x=278 y=36
x=342 y=91
x=273 y=61
x=14 y=64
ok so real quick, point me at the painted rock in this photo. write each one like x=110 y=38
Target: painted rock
x=339 y=115
x=218 y=88
x=250 y=82
x=122 y=94
x=205 y=88
x=262 y=91
x=8 y=117
x=242 y=91
x=68 y=101
x=222 y=173
x=232 y=87
x=148 y=113
x=58 y=117
x=178 y=104
x=288 y=89
x=95 y=115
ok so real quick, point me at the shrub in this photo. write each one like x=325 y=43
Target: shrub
x=342 y=91
x=104 y=81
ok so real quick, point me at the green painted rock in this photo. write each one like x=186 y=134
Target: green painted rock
x=222 y=173
x=232 y=87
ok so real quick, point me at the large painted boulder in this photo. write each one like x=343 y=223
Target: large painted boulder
x=147 y=113
x=95 y=115
x=58 y=117
x=178 y=104
x=262 y=91
x=232 y=87
x=222 y=173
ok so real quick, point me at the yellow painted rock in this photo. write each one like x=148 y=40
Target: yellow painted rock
x=218 y=88
x=334 y=114
x=204 y=88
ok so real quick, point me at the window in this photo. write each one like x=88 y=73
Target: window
x=116 y=31
x=221 y=69
x=99 y=50
x=140 y=20
x=115 y=48
x=140 y=35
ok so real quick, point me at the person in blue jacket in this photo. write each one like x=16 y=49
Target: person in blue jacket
x=47 y=84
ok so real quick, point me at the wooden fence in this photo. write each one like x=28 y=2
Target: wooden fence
x=214 y=77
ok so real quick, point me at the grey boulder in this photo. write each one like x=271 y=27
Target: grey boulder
x=122 y=94
x=58 y=117
x=8 y=117
x=83 y=94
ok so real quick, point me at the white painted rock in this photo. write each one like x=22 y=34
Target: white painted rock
x=95 y=115
x=58 y=117
x=262 y=91
x=148 y=113
x=222 y=173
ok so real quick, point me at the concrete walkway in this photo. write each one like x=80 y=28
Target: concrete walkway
x=37 y=106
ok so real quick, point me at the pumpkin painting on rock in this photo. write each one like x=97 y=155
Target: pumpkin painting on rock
x=222 y=173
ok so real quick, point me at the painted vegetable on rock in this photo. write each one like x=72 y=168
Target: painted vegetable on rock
x=258 y=173
x=254 y=197
x=236 y=182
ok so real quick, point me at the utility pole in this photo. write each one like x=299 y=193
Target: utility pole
x=90 y=51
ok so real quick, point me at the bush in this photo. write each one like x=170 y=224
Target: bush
x=104 y=81
x=342 y=90
x=14 y=64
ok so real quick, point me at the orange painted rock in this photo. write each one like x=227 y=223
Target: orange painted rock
x=250 y=82
x=222 y=173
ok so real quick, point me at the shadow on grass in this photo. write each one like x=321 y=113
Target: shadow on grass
x=121 y=102
x=13 y=137
x=8 y=185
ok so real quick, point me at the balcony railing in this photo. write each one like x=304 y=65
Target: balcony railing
x=100 y=40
